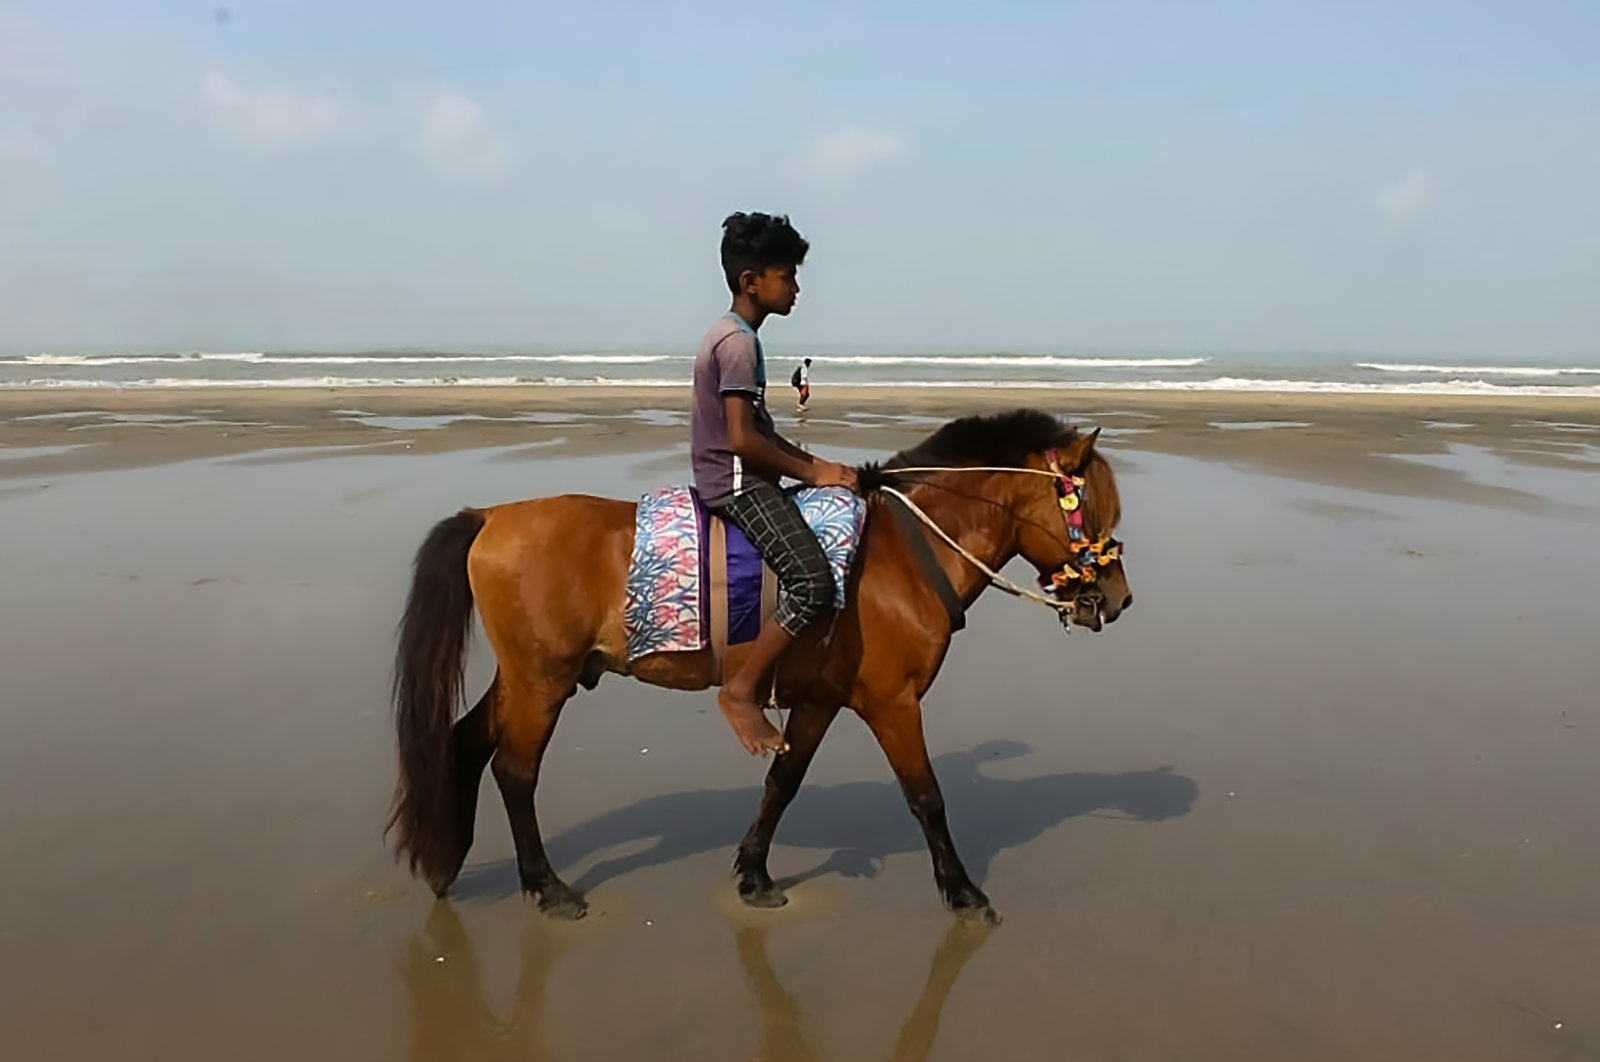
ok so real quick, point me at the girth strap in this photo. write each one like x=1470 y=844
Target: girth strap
x=717 y=598
x=922 y=550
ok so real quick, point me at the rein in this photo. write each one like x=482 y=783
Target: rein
x=999 y=581
x=1085 y=557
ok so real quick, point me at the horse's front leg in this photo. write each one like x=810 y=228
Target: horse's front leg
x=897 y=725
x=803 y=733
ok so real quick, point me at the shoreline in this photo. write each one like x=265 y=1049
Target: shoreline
x=911 y=399
x=1363 y=441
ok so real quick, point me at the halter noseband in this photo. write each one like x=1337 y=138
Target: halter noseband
x=1084 y=558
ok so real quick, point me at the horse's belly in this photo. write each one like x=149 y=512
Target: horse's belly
x=675 y=671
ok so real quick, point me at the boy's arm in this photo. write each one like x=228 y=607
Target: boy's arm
x=782 y=457
x=794 y=451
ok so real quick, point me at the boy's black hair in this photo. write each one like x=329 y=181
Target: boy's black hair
x=808 y=361
x=757 y=242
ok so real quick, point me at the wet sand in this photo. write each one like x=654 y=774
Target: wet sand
x=1326 y=792
x=1329 y=438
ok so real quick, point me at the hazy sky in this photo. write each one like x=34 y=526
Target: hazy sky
x=1387 y=176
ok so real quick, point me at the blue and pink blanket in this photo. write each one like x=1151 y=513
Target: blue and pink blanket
x=668 y=607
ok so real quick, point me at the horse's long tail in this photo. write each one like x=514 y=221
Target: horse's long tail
x=429 y=671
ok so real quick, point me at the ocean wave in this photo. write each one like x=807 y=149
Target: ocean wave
x=1228 y=384
x=1249 y=385
x=131 y=359
x=341 y=359
x=292 y=382
x=1017 y=361
x=1020 y=361
x=1532 y=371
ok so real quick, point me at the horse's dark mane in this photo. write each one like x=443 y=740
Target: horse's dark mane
x=1000 y=439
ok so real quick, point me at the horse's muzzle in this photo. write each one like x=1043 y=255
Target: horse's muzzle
x=1091 y=608
x=1086 y=609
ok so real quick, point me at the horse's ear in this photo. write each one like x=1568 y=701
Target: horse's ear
x=1073 y=455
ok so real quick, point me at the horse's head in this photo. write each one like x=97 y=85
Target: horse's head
x=1065 y=526
x=1059 y=514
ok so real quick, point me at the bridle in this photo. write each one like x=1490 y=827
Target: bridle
x=1085 y=558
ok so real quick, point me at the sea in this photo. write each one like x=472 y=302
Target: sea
x=1286 y=373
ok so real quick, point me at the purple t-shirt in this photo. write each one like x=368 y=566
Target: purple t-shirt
x=729 y=362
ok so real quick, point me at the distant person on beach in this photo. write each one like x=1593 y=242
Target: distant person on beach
x=739 y=457
x=801 y=381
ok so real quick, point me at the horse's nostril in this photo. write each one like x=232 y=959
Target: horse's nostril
x=1127 y=602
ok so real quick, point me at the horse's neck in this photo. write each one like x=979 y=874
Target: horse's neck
x=977 y=516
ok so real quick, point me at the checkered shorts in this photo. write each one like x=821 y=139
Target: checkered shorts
x=773 y=524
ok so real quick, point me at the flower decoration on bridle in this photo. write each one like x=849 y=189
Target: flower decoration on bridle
x=1085 y=557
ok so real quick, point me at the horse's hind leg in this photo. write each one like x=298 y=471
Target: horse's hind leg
x=472 y=741
x=898 y=727
x=803 y=733
x=527 y=717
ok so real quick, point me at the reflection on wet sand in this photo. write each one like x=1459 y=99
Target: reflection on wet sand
x=961 y=942
x=783 y=1038
x=450 y=1013
x=452 y=1016
x=860 y=823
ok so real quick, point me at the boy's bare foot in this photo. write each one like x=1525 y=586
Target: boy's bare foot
x=758 y=736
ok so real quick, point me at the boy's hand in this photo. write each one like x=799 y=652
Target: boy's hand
x=833 y=474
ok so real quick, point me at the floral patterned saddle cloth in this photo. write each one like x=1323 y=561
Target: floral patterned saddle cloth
x=687 y=562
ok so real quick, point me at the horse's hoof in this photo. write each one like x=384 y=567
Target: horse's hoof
x=979 y=916
x=767 y=899
x=757 y=890
x=561 y=902
x=972 y=906
x=566 y=910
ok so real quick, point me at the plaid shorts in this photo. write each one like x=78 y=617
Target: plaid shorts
x=772 y=522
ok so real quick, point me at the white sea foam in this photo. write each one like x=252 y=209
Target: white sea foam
x=1539 y=371
x=1015 y=361
x=291 y=382
x=344 y=359
x=1022 y=361
x=1245 y=385
x=131 y=359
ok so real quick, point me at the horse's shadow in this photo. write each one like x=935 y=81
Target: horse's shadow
x=859 y=823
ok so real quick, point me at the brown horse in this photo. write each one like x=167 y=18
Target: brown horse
x=548 y=580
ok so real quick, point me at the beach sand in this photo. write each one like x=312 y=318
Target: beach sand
x=1327 y=792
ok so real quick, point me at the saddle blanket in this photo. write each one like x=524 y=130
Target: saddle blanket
x=669 y=575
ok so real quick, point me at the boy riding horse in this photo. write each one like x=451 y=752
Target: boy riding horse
x=739 y=457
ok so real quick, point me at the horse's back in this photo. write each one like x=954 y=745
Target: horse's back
x=555 y=568
x=558 y=516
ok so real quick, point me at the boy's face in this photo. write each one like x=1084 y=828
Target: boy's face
x=774 y=288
